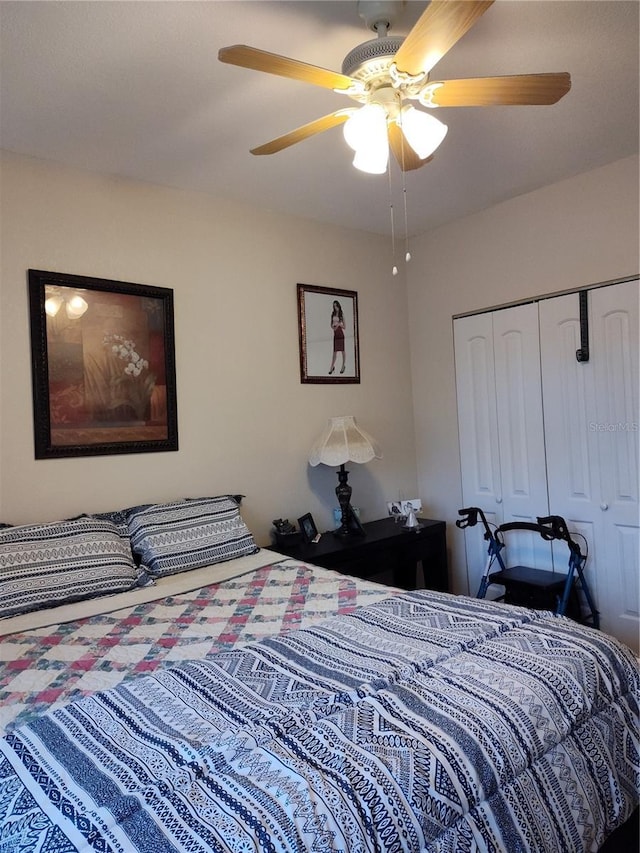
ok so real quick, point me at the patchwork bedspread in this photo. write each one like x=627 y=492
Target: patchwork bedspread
x=422 y=722
x=47 y=667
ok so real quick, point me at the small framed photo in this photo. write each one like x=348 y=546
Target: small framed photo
x=355 y=525
x=308 y=528
x=337 y=515
x=328 y=335
x=394 y=509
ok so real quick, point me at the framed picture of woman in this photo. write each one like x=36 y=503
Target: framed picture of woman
x=328 y=334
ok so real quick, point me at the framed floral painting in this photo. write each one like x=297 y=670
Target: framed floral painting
x=103 y=366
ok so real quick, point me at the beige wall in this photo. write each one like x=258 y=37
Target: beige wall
x=571 y=234
x=246 y=422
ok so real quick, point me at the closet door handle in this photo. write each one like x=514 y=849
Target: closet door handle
x=498 y=500
x=604 y=506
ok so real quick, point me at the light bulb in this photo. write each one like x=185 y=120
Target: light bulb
x=76 y=307
x=422 y=131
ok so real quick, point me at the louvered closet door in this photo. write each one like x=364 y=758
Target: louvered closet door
x=591 y=422
x=501 y=430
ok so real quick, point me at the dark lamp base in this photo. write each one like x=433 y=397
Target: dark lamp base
x=350 y=525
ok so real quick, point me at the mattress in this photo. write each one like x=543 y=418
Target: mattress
x=423 y=721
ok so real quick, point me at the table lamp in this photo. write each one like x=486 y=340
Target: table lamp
x=344 y=441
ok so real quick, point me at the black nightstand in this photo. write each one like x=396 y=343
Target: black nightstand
x=385 y=553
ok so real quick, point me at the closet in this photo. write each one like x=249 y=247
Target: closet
x=543 y=433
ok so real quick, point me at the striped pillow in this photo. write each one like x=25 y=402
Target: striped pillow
x=175 y=537
x=120 y=517
x=43 y=565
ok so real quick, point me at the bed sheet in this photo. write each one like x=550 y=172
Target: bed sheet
x=49 y=666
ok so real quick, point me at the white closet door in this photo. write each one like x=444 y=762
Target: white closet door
x=521 y=431
x=591 y=422
x=615 y=355
x=501 y=431
x=573 y=469
x=478 y=432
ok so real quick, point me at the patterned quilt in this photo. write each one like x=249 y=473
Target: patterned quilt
x=422 y=722
x=47 y=667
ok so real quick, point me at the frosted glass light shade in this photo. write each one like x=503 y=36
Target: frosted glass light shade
x=344 y=441
x=423 y=132
x=365 y=125
x=372 y=160
x=366 y=133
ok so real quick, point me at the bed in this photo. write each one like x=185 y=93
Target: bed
x=65 y=656
x=283 y=707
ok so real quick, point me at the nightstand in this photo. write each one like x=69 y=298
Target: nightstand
x=386 y=553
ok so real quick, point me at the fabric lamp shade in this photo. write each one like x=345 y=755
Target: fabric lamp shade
x=344 y=441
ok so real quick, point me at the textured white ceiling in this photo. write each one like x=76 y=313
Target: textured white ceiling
x=135 y=89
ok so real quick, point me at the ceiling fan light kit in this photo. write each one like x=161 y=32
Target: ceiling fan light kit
x=367 y=133
x=388 y=72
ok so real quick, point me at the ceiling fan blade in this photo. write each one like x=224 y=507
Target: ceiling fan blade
x=304 y=132
x=489 y=91
x=440 y=26
x=402 y=151
x=273 y=63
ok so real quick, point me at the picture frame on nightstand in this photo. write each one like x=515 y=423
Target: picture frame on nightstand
x=308 y=529
x=354 y=523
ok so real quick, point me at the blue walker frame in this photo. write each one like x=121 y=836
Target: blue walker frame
x=549 y=527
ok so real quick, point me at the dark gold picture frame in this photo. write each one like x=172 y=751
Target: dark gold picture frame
x=103 y=366
x=328 y=336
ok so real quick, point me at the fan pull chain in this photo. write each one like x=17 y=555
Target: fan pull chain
x=394 y=269
x=407 y=253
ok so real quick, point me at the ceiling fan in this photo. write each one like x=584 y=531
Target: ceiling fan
x=387 y=73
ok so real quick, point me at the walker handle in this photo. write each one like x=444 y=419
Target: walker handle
x=470 y=519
